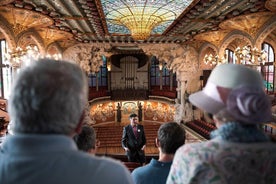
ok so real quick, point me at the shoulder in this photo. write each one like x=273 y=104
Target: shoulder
x=140 y=126
x=126 y=127
x=208 y=150
x=200 y=147
x=142 y=169
x=140 y=172
x=194 y=152
x=87 y=160
x=217 y=146
x=108 y=169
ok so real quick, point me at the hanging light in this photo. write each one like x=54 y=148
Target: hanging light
x=54 y=56
x=23 y=57
x=250 y=56
x=213 y=60
x=108 y=66
x=19 y=56
x=160 y=65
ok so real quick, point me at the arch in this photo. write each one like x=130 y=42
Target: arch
x=53 y=48
x=265 y=31
x=206 y=49
x=31 y=37
x=246 y=38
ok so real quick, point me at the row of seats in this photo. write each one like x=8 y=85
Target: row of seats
x=131 y=165
x=201 y=127
x=208 y=126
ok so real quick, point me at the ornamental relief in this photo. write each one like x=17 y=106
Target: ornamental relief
x=157 y=111
x=149 y=110
x=102 y=112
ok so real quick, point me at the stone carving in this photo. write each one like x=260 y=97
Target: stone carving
x=175 y=56
x=159 y=111
x=88 y=57
x=179 y=112
x=102 y=112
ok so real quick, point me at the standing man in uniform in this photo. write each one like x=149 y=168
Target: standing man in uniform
x=134 y=140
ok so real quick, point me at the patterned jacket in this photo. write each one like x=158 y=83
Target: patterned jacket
x=218 y=162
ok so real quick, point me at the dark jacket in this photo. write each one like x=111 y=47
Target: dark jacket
x=129 y=140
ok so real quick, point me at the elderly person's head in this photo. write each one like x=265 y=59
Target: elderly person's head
x=48 y=97
x=234 y=93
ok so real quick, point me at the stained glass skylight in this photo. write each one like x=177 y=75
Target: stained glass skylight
x=143 y=17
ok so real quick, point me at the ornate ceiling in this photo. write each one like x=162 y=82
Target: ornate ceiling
x=88 y=21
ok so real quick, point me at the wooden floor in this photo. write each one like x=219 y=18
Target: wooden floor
x=110 y=138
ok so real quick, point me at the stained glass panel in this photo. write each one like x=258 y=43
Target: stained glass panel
x=157 y=15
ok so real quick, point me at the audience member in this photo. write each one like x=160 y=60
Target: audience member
x=134 y=140
x=86 y=139
x=170 y=137
x=239 y=151
x=46 y=106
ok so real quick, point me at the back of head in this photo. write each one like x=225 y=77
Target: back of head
x=171 y=136
x=48 y=97
x=86 y=140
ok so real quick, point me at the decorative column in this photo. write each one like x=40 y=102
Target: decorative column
x=140 y=111
x=171 y=80
x=183 y=89
x=97 y=81
x=180 y=101
x=108 y=66
x=178 y=89
x=161 y=76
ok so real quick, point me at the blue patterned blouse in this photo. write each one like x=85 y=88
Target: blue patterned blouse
x=237 y=154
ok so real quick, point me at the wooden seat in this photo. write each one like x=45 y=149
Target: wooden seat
x=131 y=165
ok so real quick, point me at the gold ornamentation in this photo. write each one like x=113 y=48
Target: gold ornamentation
x=250 y=23
x=22 y=19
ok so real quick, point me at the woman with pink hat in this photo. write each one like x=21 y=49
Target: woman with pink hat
x=239 y=151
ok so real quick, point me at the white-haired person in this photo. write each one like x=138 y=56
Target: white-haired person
x=46 y=106
x=239 y=151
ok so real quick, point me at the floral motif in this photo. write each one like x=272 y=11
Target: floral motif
x=249 y=105
x=217 y=161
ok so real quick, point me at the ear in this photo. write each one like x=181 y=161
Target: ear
x=157 y=143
